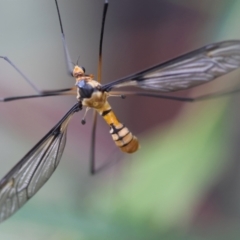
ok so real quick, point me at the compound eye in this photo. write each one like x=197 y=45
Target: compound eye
x=85 y=89
x=83 y=68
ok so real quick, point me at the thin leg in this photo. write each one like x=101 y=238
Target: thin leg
x=93 y=135
x=175 y=98
x=99 y=78
x=67 y=57
x=93 y=142
x=40 y=92
x=22 y=74
x=60 y=92
x=66 y=51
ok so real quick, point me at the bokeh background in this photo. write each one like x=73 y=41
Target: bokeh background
x=184 y=181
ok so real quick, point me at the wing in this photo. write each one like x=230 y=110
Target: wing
x=34 y=169
x=186 y=71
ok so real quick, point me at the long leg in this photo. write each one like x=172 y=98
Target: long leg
x=93 y=135
x=99 y=78
x=60 y=92
x=67 y=56
x=22 y=74
x=40 y=92
x=176 y=98
x=66 y=51
x=93 y=143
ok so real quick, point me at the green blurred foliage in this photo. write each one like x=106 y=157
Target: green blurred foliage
x=170 y=175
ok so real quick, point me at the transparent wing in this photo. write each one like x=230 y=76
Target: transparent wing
x=189 y=70
x=34 y=169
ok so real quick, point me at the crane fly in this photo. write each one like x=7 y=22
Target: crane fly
x=189 y=70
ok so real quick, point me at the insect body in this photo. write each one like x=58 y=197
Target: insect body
x=90 y=94
x=189 y=70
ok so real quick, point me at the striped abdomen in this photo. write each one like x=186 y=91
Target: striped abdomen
x=122 y=137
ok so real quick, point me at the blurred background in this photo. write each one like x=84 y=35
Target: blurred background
x=184 y=181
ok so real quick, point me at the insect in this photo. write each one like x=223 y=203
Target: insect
x=186 y=71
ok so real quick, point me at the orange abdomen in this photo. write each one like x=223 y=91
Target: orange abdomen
x=122 y=137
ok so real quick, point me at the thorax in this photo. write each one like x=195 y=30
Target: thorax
x=90 y=94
